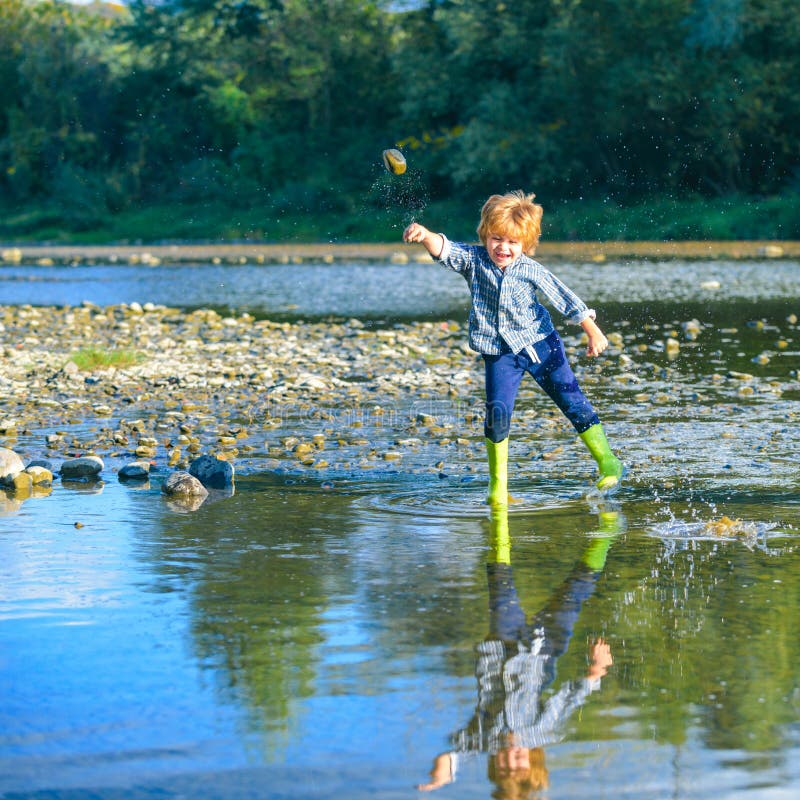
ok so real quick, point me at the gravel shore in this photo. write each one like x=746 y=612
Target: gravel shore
x=328 y=400
x=597 y=252
x=262 y=393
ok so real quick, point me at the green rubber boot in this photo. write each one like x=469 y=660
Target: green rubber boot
x=500 y=551
x=609 y=465
x=612 y=523
x=595 y=554
x=498 y=472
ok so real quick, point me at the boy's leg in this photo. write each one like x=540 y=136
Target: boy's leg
x=557 y=379
x=503 y=375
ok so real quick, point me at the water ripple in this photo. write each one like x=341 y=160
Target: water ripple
x=467 y=501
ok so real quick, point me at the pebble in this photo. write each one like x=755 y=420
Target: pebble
x=10 y=466
x=22 y=483
x=40 y=476
x=212 y=472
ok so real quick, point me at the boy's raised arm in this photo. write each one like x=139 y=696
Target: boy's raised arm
x=432 y=242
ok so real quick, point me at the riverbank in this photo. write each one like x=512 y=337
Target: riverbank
x=598 y=252
x=270 y=396
x=328 y=400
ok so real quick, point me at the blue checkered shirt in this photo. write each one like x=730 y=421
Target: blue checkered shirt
x=505 y=307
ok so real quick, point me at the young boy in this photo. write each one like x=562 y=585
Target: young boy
x=513 y=331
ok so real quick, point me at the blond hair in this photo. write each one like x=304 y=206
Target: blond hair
x=521 y=784
x=515 y=215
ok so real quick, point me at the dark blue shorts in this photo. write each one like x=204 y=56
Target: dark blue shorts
x=547 y=362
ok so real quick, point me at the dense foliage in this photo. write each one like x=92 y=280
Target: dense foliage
x=287 y=104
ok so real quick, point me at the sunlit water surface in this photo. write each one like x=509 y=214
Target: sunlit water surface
x=379 y=291
x=318 y=636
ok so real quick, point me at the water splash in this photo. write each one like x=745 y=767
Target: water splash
x=752 y=534
x=405 y=194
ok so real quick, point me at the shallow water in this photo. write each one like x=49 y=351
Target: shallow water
x=318 y=634
x=380 y=291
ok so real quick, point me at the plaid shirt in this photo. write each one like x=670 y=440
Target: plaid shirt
x=512 y=699
x=504 y=303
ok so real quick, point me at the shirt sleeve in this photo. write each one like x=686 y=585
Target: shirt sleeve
x=563 y=299
x=454 y=764
x=458 y=257
x=561 y=706
x=446 y=248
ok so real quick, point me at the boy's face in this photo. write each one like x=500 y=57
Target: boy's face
x=513 y=759
x=503 y=248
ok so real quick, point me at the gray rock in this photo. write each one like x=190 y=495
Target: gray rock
x=40 y=462
x=135 y=471
x=82 y=467
x=182 y=484
x=10 y=466
x=212 y=472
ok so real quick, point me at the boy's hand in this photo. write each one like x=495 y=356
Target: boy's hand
x=601 y=659
x=597 y=343
x=441 y=774
x=597 y=339
x=432 y=242
x=415 y=233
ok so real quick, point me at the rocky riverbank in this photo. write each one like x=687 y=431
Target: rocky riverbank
x=325 y=400
x=267 y=396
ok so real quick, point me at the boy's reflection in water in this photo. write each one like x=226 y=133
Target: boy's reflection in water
x=517 y=662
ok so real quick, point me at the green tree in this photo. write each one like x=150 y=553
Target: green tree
x=56 y=102
x=286 y=104
x=623 y=97
x=283 y=100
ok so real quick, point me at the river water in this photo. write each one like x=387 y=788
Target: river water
x=335 y=636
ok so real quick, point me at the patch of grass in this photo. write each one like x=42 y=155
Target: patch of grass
x=215 y=222
x=682 y=218
x=690 y=218
x=91 y=358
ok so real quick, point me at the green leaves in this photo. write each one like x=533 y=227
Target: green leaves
x=619 y=98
